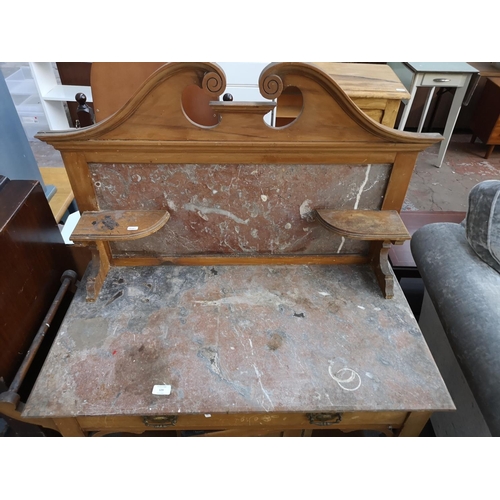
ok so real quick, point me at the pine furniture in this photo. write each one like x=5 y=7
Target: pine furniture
x=240 y=283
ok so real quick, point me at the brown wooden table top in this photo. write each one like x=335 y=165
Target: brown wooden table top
x=238 y=339
x=63 y=197
x=400 y=255
x=376 y=81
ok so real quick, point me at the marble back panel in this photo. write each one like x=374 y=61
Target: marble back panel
x=239 y=209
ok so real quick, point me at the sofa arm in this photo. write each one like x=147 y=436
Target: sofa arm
x=465 y=292
x=483 y=222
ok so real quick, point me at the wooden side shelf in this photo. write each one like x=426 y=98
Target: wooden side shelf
x=368 y=225
x=116 y=225
x=382 y=227
x=96 y=228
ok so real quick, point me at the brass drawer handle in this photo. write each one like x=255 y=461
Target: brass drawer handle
x=441 y=80
x=324 y=418
x=160 y=422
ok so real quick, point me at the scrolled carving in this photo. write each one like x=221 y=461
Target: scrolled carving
x=271 y=86
x=214 y=83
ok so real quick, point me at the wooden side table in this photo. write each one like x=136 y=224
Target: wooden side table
x=374 y=88
x=63 y=197
x=435 y=74
x=486 y=121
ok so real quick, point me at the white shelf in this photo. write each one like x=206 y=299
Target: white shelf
x=67 y=93
x=53 y=94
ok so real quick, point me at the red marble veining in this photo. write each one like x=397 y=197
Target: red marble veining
x=238 y=339
x=239 y=209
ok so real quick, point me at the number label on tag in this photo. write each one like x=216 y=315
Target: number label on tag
x=162 y=390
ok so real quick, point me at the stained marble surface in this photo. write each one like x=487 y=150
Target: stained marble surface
x=238 y=339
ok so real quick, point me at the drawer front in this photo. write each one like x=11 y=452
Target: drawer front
x=348 y=420
x=443 y=80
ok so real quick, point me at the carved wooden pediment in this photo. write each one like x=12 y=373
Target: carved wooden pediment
x=154 y=118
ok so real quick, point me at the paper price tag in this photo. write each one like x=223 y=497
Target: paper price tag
x=162 y=390
x=132 y=228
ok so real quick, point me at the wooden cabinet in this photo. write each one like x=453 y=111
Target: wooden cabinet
x=252 y=328
x=374 y=88
x=486 y=121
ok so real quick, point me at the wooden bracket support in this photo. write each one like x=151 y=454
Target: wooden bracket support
x=97 y=229
x=381 y=227
x=380 y=264
x=100 y=267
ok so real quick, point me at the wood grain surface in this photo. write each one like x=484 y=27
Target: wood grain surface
x=365 y=224
x=116 y=225
x=63 y=197
x=241 y=341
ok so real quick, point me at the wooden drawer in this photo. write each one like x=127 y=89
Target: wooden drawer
x=348 y=421
x=374 y=114
x=443 y=80
x=290 y=106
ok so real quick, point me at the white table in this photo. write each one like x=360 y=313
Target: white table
x=459 y=75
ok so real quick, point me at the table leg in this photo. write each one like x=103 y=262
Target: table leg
x=426 y=109
x=452 y=119
x=407 y=108
x=490 y=150
x=68 y=427
x=415 y=423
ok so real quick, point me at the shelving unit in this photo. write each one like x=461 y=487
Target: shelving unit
x=53 y=95
x=28 y=105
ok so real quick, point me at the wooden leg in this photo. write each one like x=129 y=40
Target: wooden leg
x=390 y=112
x=415 y=423
x=490 y=150
x=69 y=427
x=100 y=267
x=381 y=268
x=473 y=139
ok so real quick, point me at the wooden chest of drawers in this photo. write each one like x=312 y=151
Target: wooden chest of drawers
x=374 y=88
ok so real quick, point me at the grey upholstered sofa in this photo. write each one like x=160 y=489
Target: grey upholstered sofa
x=460 y=318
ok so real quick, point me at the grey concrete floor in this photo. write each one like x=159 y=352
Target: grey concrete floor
x=447 y=188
